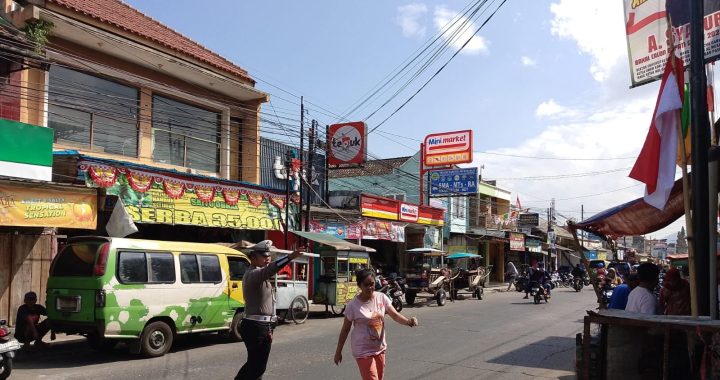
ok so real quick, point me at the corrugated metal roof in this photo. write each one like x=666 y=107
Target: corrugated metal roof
x=373 y=167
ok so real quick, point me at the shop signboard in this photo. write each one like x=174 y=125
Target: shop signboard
x=42 y=205
x=646 y=31
x=453 y=181
x=408 y=212
x=517 y=241
x=528 y=220
x=158 y=199
x=26 y=151
x=347 y=143
x=442 y=149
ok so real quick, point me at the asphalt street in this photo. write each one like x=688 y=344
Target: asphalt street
x=500 y=337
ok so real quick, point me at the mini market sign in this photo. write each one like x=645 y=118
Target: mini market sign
x=374 y=206
x=441 y=149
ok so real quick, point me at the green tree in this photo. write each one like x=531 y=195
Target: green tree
x=681 y=242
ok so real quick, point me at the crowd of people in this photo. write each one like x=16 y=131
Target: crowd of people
x=638 y=293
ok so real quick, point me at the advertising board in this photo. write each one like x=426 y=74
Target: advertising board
x=441 y=149
x=453 y=181
x=347 y=143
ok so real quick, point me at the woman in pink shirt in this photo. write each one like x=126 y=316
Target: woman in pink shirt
x=366 y=312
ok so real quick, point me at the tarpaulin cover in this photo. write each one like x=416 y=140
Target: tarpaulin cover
x=635 y=217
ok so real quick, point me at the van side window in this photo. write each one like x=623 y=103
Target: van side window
x=209 y=268
x=189 y=271
x=132 y=267
x=162 y=267
x=238 y=266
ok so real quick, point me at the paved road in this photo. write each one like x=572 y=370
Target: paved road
x=500 y=337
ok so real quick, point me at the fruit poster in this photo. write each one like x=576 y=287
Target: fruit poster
x=42 y=205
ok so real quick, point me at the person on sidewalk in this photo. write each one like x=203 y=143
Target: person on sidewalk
x=511 y=274
x=642 y=299
x=28 y=327
x=257 y=326
x=365 y=314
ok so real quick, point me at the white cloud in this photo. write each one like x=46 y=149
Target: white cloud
x=458 y=29
x=527 y=61
x=597 y=28
x=550 y=109
x=409 y=17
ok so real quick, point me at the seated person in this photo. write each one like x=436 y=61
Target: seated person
x=28 y=327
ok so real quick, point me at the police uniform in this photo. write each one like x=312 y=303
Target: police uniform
x=257 y=326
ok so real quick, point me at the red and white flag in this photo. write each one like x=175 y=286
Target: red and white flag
x=655 y=166
x=517 y=202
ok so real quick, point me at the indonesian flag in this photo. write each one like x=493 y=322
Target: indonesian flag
x=655 y=166
x=517 y=202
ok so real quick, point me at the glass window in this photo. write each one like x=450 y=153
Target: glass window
x=300 y=272
x=209 y=268
x=76 y=260
x=328 y=267
x=189 y=269
x=162 y=267
x=92 y=112
x=185 y=135
x=238 y=266
x=132 y=267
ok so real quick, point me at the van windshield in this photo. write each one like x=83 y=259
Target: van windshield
x=76 y=260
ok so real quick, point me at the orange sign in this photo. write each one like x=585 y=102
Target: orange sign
x=42 y=205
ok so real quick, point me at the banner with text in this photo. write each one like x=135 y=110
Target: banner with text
x=648 y=42
x=33 y=205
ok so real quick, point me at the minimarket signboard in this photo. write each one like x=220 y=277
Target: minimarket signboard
x=42 y=205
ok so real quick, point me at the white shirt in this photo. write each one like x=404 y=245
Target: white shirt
x=641 y=300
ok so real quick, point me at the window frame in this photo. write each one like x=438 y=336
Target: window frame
x=240 y=259
x=148 y=268
x=94 y=113
x=199 y=266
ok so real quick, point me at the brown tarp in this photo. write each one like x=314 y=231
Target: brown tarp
x=634 y=217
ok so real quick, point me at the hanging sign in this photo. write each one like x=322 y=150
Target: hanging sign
x=528 y=219
x=646 y=30
x=449 y=148
x=347 y=143
x=517 y=242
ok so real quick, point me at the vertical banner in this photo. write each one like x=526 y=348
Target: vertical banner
x=648 y=42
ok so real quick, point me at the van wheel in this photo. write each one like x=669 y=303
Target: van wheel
x=101 y=344
x=234 y=331
x=156 y=339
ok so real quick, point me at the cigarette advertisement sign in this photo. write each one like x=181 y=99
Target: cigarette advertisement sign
x=441 y=149
x=648 y=40
x=347 y=143
x=47 y=206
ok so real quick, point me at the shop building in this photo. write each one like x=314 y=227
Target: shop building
x=489 y=222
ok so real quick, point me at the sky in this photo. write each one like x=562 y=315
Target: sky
x=544 y=85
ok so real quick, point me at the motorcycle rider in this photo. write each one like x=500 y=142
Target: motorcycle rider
x=579 y=272
x=540 y=276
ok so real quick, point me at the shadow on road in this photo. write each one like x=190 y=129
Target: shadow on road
x=553 y=352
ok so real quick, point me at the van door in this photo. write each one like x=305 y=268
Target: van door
x=237 y=265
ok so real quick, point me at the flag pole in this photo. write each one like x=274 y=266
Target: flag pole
x=687 y=202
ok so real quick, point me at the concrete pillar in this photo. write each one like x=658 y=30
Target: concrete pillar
x=145 y=137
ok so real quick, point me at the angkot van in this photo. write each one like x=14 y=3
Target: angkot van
x=144 y=292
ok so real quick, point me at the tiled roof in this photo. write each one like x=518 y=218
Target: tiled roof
x=374 y=167
x=123 y=16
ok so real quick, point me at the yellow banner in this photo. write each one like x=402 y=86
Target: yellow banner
x=358 y=260
x=42 y=205
x=155 y=206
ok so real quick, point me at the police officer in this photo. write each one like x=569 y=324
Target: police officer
x=256 y=328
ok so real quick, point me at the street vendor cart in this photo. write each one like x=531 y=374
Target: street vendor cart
x=468 y=275
x=427 y=276
x=334 y=283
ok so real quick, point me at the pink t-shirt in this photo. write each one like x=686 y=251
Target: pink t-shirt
x=368 y=334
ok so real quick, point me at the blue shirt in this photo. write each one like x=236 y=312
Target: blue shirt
x=619 y=297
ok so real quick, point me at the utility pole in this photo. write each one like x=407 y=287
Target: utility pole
x=582 y=217
x=700 y=135
x=308 y=179
x=302 y=155
x=288 y=164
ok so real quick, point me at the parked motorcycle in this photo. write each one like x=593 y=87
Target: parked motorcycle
x=8 y=346
x=521 y=283
x=394 y=288
x=566 y=279
x=538 y=293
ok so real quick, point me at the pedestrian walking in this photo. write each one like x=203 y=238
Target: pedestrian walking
x=511 y=274
x=256 y=328
x=365 y=314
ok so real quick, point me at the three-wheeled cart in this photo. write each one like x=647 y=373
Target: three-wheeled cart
x=291 y=289
x=426 y=276
x=468 y=276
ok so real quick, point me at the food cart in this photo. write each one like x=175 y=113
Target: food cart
x=427 y=276
x=334 y=283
